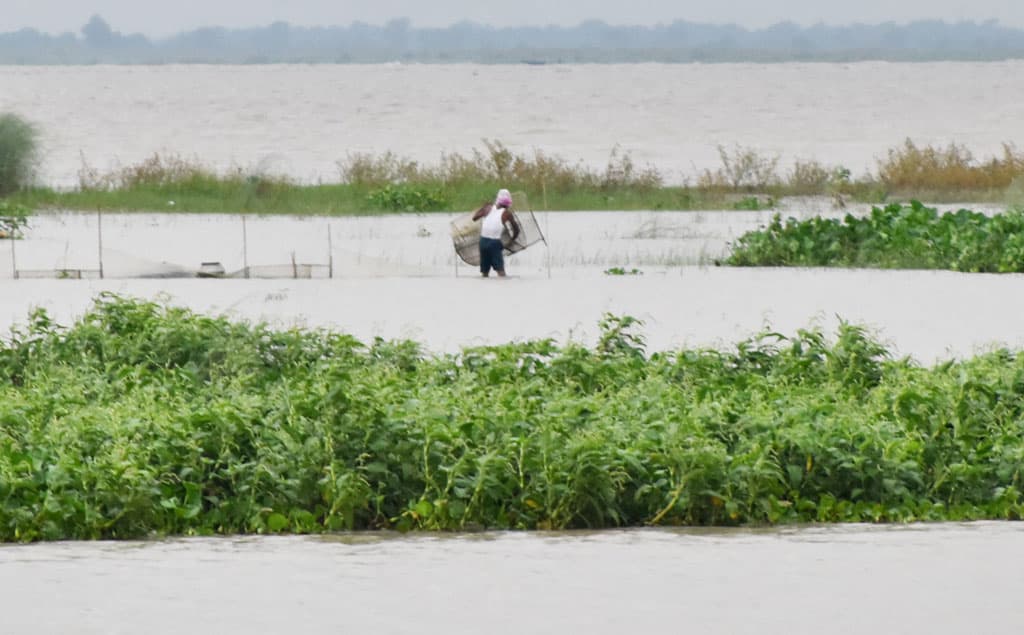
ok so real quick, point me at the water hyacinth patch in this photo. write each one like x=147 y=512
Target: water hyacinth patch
x=141 y=419
x=894 y=237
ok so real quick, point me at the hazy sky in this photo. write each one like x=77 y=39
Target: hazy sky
x=168 y=17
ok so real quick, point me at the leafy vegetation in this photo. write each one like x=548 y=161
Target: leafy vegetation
x=19 y=150
x=753 y=204
x=13 y=219
x=622 y=271
x=142 y=419
x=894 y=237
x=405 y=197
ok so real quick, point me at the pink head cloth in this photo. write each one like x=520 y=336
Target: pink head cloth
x=504 y=199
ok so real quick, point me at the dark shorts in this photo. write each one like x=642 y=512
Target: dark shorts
x=490 y=255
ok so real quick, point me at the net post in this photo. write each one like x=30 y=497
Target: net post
x=330 y=254
x=14 y=259
x=245 y=248
x=99 y=237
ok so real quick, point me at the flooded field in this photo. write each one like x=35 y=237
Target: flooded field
x=397 y=276
x=939 y=579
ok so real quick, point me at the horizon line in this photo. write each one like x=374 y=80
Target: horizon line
x=407 y=22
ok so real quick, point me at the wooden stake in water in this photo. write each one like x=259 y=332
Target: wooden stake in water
x=330 y=253
x=14 y=260
x=99 y=237
x=547 y=247
x=245 y=249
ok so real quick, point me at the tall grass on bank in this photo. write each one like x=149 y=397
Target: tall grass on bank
x=496 y=165
x=141 y=419
x=747 y=178
x=894 y=237
x=952 y=168
x=19 y=153
x=370 y=184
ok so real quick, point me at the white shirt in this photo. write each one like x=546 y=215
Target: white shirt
x=492 y=226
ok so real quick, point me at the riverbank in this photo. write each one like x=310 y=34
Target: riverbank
x=367 y=184
x=278 y=197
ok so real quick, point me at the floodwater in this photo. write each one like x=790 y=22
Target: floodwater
x=301 y=120
x=396 y=277
x=936 y=579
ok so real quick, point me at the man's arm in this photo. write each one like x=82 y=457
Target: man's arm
x=480 y=213
x=508 y=217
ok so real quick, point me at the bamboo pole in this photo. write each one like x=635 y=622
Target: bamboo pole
x=14 y=260
x=330 y=253
x=99 y=238
x=245 y=248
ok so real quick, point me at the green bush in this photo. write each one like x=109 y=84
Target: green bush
x=19 y=151
x=407 y=197
x=141 y=419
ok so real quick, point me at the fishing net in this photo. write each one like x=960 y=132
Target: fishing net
x=57 y=274
x=294 y=270
x=466 y=232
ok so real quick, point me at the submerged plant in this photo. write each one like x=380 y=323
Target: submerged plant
x=621 y=271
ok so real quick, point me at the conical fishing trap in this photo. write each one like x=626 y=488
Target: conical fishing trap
x=466 y=232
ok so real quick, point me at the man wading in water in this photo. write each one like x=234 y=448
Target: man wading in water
x=495 y=216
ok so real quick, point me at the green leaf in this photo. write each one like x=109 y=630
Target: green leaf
x=424 y=509
x=277 y=522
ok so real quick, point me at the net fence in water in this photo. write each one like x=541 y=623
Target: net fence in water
x=466 y=232
x=57 y=274
x=294 y=270
x=265 y=272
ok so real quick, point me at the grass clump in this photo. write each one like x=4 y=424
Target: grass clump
x=142 y=419
x=622 y=271
x=742 y=169
x=496 y=165
x=13 y=219
x=477 y=176
x=19 y=153
x=894 y=237
x=952 y=168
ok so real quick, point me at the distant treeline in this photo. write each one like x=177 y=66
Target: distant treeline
x=590 y=41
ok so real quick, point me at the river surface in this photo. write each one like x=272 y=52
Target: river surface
x=396 y=277
x=935 y=579
x=300 y=120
